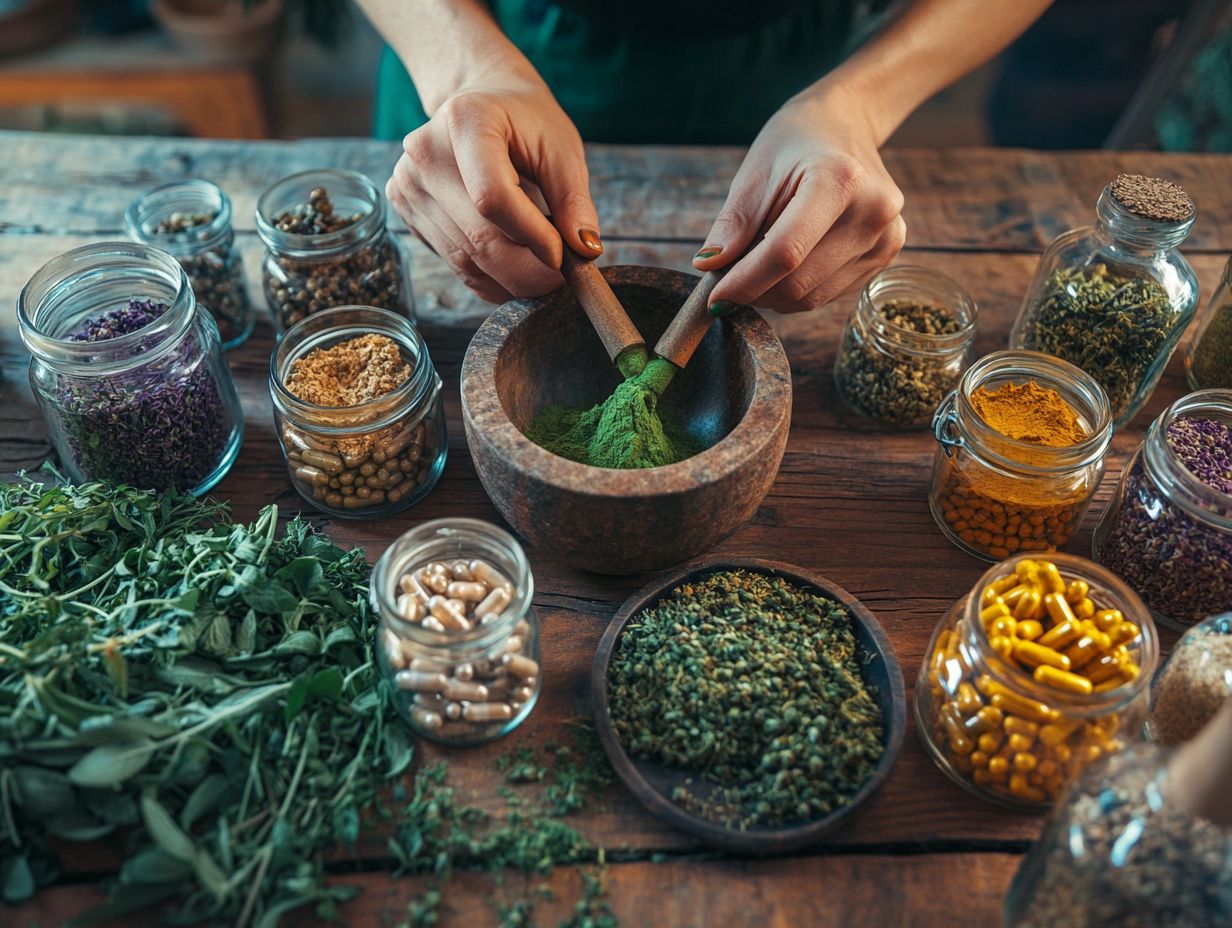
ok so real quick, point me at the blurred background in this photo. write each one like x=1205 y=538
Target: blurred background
x=1091 y=73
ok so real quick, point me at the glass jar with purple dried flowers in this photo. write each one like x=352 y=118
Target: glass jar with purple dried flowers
x=1168 y=529
x=191 y=220
x=128 y=371
x=328 y=245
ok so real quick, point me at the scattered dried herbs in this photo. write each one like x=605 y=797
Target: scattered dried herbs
x=161 y=425
x=1116 y=327
x=755 y=684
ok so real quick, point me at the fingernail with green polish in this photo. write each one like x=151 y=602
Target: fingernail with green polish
x=720 y=308
x=590 y=240
x=707 y=252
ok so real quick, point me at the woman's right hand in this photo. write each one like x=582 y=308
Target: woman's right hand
x=465 y=182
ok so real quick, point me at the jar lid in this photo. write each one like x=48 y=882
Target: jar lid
x=1152 y=198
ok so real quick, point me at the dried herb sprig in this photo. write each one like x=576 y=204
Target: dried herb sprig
x=755 y=684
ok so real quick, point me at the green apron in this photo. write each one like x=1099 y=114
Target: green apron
x=652 y=88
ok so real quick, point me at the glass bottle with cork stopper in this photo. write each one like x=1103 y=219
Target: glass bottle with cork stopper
x=1115 y=297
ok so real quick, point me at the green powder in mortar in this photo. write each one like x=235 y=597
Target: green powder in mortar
x=624 y=431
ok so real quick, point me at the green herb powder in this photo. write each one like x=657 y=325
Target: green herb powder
x=755 y=684
x=624 y=431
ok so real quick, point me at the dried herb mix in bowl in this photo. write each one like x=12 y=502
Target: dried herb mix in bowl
x=755 y=684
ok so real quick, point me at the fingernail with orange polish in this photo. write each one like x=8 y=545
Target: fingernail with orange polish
x=590 y=240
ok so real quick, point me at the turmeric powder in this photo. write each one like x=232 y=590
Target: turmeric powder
x=1029 y=412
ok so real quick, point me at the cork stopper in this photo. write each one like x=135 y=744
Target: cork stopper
x=1152 y=198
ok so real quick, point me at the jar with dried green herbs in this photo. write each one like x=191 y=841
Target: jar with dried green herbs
x=1115 y=298
x=905 y=345
x=191 y=220
x=1208 y=359
x=327 y=245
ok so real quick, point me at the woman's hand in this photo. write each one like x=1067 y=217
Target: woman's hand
x=812 y=210
x=466 y=182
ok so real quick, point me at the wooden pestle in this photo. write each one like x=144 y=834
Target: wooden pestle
x=1199 y=770
x=683 y=335
x=624 y=344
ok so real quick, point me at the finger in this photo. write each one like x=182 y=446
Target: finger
x=738 y=222
x=566 y=189
x=443 y=240
x=809 y=215
x=493 y=185
x=854 y=274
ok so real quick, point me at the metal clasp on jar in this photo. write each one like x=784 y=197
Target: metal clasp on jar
x=945 y=425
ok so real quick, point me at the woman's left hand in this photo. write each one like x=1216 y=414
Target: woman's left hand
x=811 y=213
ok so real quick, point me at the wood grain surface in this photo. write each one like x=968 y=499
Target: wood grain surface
x=849 y=501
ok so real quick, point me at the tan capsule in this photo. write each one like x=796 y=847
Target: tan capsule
x=522 y=694
x=512 y=645
x=359 y=502
x=410 y=584
x=427 y=665
x=301 y=442
x=469 y=591
x=453 y=711
x=353 y=461
x=461 y=571
x=460 y=606
x=445 y=613
x=485 y=573
x=420 y=681
x=464 y=672
x=313 y=476
x=426 y=718
x=432 y=624
x=522 y=629
x=327 y=461
x=496 y=602
x=521 y=666
x=436 y=581
x=393 y=649
x=487 y=712
x=394 y=444
x=462 y=691
x=336 y=499
x=431 y=700
x=410 y=608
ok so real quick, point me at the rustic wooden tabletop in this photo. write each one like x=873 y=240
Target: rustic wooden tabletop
x=849 y=502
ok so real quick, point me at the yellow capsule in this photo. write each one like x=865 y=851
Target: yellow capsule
x=1047 y=768
x=942 y=640
x=1099 y=736
x=1091 y=753
x=1024 y=790
x=1026 y=570
x=1052 y=735
x=1063 y=680
x=1084 y=609
x=1003 y=627
x=1129 y=670
x=1050 y=577
x=1017 y=726
x=1110 y=684
x=1061 y=636
x=998 y=766
x=1029 y=629
x=979 y=759
x=994 y=610
x=1036 y=654
x=1020 y=743
x=1021 y=705
x=1081 y=652
x=968 y=700
x=1102 y=640
x=1002 y=584
x=1024 y=761
x=1002 y=646
x=1014 y=596
x=1077 y=591
x=959 y=742
x=1062 y=753
x=962 y=762
x=1029 y=605
x=984 y=683
x=1103 y=668
x=981 y=776
x=988 y=718
x=1058 y=609
x=1108 y=619
x=1125 y=632
x=990 y=741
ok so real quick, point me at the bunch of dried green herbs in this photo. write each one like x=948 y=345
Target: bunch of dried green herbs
x=208 y=687
x=755 y=684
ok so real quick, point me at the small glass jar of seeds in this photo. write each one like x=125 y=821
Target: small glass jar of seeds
x=1037 y=673
x=1193 y=683
x=191 y=221
x=905 y=345
x=458 y=637
x=359 y=412
x=327 y=245
x=1114 y=298
x=1208 y=357
x=994 y=495
x=1167 y=531
x=128 y=370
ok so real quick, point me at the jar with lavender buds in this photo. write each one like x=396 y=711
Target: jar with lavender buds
x=458 y=637
x=191 y=220
x=328 y=245
x=128 y=371
x=1167 y=531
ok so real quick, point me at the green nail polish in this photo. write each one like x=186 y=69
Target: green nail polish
x=720 y=308
x=707 y=252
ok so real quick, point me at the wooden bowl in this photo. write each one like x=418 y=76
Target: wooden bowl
x=652 y=783
x=734 y=397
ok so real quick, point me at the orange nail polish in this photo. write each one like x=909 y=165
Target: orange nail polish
x=590 y=240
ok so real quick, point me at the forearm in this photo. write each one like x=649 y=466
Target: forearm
x=924 y=47
x=448 y=45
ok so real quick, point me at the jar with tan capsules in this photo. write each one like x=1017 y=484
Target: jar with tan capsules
x=358 y=408
x=458 y=637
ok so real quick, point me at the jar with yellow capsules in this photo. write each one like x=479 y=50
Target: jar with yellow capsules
x=1043 y=668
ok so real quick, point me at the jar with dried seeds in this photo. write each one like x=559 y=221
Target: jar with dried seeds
x=327 y=245
x=1193 y=683
x=458 y=636
x=357 y=405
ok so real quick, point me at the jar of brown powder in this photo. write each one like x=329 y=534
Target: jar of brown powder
x=357 y=404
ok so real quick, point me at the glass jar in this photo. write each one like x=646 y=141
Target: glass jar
x=374 y=459
x=1167 y=533
x=1113 y=299
x=1208 y=357
x=474 y=675
x=1120 y=850
x=992 y=495
x=191 y=221
x=997 y=730
x=128 y=373
x=1193 y=683
x=905 y=345
x=356 y=263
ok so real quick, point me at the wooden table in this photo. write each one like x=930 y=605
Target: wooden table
x=850 y=500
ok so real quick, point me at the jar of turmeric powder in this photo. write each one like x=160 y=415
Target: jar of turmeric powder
x=1021 y=447
x=1040 y=671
